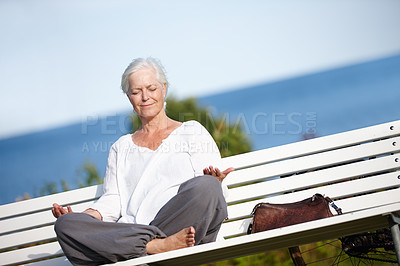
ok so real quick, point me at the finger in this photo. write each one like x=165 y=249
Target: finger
x=218 y=172
x=69 y=209
x=61 y=211
x=212 y=170
x=54 y=212
x=57 y=212
x=220 y=176
x=229 y=170
x=206 y=171
x=64 y=211
x=58 y=209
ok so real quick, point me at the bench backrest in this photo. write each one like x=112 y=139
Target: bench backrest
x=358 y=169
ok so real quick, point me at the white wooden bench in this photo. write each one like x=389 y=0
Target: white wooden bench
x=359 y=170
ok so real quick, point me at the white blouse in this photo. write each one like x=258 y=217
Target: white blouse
x=139 y=181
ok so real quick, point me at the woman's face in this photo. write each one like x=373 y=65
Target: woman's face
x=146 y=93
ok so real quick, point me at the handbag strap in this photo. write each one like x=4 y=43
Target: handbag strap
x=255 y=208
x=337 y=209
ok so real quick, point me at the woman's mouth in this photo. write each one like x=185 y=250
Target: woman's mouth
x=146 y=105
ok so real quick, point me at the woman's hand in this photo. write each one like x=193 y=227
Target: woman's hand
x=94 y=213
x=59 y=210
x=215 y=172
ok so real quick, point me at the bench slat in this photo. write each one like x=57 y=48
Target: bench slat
x=347 y=189
x=312 y=146
x=314 y=161
x=30 y=254
x=315 y=178
x=62 y=261
x=42 y=203
x=27 y=237
x=36 y=219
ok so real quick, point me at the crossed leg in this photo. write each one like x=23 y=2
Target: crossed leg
x=199 y=208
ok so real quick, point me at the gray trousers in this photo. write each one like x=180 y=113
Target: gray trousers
x=86 y=240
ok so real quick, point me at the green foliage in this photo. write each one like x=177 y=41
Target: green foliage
x=49 y=188
x=90 y=174
x=64 y=185
x=230 y=138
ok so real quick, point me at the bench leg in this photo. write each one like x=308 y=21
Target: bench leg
x=295 y=254
x=394 y=221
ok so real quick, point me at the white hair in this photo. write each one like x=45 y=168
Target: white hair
x=140 y=63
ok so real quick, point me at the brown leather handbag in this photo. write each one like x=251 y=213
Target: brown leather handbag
x=267 y=216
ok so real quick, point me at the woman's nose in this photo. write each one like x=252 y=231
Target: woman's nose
x=145 y=96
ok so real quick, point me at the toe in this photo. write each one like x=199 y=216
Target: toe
x=192 y=230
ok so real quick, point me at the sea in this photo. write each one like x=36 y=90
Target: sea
x=271 y=114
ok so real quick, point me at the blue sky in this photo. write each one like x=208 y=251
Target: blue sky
x=61 y=61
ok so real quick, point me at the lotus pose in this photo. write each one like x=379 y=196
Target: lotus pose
x=162 y=188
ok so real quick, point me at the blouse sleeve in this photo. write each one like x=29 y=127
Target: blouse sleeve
x=109 y=204
x=204 y=152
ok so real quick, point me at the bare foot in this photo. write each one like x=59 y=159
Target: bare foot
x=182 y=239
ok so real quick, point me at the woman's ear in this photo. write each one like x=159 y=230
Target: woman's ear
x=129 y=98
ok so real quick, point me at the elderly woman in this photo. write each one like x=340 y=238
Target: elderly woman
x=162 y=190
